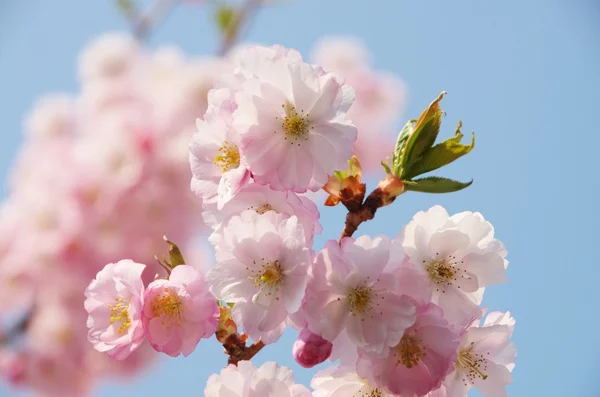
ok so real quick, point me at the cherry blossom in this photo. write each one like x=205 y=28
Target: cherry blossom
x=178 y=312
x=353 y=289
x=419 y=362
x=343 y=381
x=218 y=169
x=263 y=199
x=262 y=266
x=292 y=120
x=245 y=380
x=114 y=302
x=485 y=358
x=459 y=255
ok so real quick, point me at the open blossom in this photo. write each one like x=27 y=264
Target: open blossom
x=180 y=311
x=485 y=359
x=114 y=302
x=459 y=255
x=292 y=120
x=262 y=199
x=419 y=362
x=353 y=290
x=310 y=349
x=218 y=169
x=262 y=267
x=343 y=381
x=245 y=380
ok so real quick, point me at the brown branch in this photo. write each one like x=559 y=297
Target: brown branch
x=363 y=213
x=384 y=194
x=235 y=347
x=142 y=22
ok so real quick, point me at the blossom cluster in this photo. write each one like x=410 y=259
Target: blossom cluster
x=102 y=175
x=402 y=315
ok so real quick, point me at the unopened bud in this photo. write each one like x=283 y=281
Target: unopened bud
x=226 y=326
x=345 y=186
x=310 y=349
x=391 y=186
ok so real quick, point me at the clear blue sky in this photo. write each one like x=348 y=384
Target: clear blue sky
x=523 y=74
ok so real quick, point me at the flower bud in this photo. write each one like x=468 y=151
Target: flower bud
x=226 y=326
x=310 y=349
x=391 y=187
x=345 y=186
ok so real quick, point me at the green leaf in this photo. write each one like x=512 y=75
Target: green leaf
x=435 y=184
x=441 y=154
x=407 y=130
x=386 y=168
x=425 y=132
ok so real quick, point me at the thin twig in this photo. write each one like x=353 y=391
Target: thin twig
x=143 y=22
x=243 y=18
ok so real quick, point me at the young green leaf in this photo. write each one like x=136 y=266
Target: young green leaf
x=424 y=134
x=441 y=154
x=400 y=145
x=435 y=184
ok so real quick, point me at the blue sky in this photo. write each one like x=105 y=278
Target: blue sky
x=522 y=74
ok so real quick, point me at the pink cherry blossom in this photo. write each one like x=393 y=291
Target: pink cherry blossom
x=178 y=312
x=112 y=56
x=53 y=118
x=114 y=302
x=245 y=380
x=262 y=199
x=353 y=289
x=419 y=362
x=292 y=120
x=262 y=266
x=459 y=255
x=102 y=174
x=218 y=169
x=485 y=359
x=343 y=381
x=310 y=349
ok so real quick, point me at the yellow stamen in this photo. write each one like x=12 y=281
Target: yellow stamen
x=119 y=312
x=410 y=351
x=474 y=364
x=270 y=277
x=295 y=125
x=264 y=208
x=359 y=299
x=228 y=157
x=169 y=307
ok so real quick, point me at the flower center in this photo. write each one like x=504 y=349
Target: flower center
x=410 y=351
x=264 y=208
x=442 y=272
x=359 y=299
x=119 y=312
x=295 y=125
x=472 y=363
x=228 y=157
x=169 y=307
x=375 y=393
x=268 y=278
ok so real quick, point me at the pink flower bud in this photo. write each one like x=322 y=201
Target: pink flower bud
x=310 y=349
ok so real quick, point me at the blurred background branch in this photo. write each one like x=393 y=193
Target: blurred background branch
x=144 y=21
